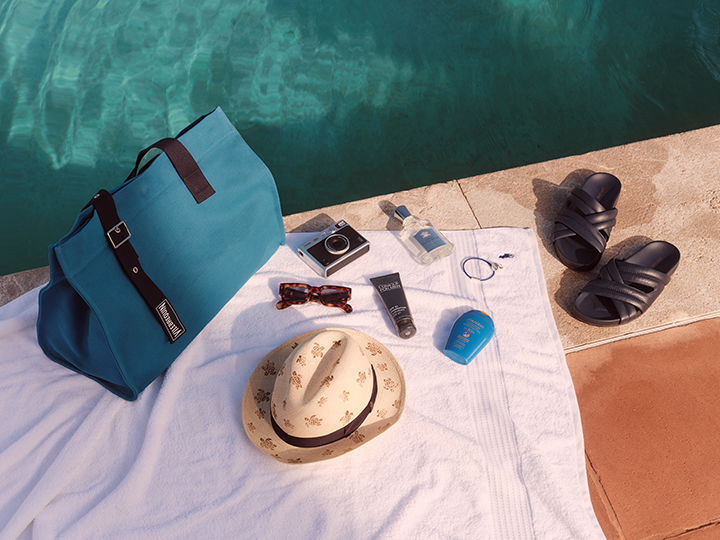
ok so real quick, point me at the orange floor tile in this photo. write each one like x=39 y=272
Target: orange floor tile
x=650 y=409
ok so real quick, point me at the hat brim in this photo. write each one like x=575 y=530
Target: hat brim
x=388 y=408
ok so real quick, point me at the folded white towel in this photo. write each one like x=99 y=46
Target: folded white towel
x=490 y=450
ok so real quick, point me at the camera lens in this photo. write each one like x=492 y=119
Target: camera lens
x=336 y=244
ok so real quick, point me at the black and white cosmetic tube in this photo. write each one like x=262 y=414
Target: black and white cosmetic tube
x=392 y=294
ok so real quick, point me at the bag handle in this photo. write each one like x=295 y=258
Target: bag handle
x=118 y=236
x=185 y=165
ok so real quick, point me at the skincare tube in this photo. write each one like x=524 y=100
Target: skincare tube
x=392 y=294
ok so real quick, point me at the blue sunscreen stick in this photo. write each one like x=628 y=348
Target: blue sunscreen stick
x=470 y=333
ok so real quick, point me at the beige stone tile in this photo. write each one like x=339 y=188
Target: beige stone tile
x=15 y=285
x=442 y=204
x=670 y=192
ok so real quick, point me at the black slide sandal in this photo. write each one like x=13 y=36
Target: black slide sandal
x=582 y=228
x=626 y=288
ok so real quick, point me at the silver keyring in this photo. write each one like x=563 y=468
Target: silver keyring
x=493 y=266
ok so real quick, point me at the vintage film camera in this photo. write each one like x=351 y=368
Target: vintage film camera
x=333 y=249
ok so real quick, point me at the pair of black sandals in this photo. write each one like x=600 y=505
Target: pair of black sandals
x=625 y=288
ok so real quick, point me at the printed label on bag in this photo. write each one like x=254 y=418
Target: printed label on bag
x=170 y=321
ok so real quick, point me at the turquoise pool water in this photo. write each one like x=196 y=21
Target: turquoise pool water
x=342 y=100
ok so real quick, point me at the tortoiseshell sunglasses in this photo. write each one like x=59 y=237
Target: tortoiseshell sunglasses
x=301 y=293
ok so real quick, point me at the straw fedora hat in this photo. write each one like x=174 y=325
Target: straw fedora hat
x=321 y=395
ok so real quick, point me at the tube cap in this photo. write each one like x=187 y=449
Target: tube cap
x=406 y=328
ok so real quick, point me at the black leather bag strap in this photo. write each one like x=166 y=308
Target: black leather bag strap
x=118 y=236
x=185 y=165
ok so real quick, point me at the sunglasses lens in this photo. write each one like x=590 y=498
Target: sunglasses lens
x=334 y=296
x=295 y=292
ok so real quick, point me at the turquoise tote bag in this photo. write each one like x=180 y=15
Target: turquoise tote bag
x=147 y=265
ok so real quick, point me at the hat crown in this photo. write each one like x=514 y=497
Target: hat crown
x=324 y=384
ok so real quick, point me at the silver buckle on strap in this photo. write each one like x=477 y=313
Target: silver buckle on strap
x=118 y=235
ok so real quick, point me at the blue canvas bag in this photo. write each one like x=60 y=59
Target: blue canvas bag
x=147 y=265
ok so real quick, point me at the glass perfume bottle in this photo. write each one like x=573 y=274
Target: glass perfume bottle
x=425 y=243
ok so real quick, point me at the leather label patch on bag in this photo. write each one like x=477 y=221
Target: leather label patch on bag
x=170 y=321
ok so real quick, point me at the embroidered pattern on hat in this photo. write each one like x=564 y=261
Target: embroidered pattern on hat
x=267 y=443
x=390 y=385
x=268 y=367
x=262 y=396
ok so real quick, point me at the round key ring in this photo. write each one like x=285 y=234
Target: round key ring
x=493 y=267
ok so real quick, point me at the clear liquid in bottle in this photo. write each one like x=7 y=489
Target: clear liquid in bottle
x=424 y=242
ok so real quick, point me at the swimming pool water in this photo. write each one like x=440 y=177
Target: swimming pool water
x=342 y=100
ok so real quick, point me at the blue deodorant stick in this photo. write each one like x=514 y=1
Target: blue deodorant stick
x=470 y=333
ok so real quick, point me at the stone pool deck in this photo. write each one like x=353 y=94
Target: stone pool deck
x=647 y=390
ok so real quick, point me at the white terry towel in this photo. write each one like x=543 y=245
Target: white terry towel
x=492 y=450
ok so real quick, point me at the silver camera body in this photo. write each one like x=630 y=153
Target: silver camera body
x=333 y=249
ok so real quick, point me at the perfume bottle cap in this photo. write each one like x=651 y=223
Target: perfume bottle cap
x=402 y=212
x=406 y=328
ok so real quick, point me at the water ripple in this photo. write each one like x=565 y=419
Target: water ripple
x=705 y=39
x=343 y=100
